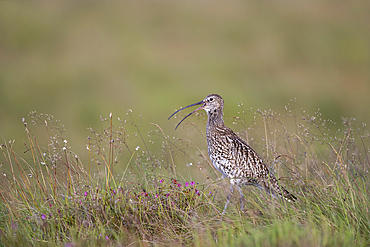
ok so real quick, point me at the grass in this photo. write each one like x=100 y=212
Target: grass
x=133 y=193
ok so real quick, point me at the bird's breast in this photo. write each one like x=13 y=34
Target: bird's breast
x=222 y=156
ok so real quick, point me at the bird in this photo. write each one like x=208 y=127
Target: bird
x=232 y=156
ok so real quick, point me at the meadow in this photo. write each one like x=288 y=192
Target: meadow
x=88 y=157
x=130 y=193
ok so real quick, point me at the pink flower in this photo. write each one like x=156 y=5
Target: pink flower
x=179 y=185
x=197 y=192
x=186 y=184
x=161 y=181
x=85 y=193
x=192 y=183
x=156 y=195
x=43 y=216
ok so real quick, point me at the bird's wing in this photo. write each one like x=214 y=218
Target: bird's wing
x=247 y=157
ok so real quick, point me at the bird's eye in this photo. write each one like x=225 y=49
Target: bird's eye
x=210 y=99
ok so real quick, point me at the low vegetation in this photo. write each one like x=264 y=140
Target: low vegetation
x=132 y=193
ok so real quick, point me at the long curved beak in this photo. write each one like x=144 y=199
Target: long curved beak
x=200 y=108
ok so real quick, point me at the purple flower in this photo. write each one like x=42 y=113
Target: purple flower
x=186 y=184
x=156 y=195
x=161 y=181
x=168 y=194
x=113 y=192
x=106 y=238
x=192 y=183
x=85 y=193
x=43 y=216
x=210 y=192
x=179 y=185
x=197 y=192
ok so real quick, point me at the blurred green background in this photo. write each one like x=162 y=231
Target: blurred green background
x=78 y=60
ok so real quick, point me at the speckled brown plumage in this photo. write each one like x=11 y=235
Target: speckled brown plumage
x=234 y=158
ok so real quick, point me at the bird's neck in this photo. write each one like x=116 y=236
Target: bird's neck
x=215 y=119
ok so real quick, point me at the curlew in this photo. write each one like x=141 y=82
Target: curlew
x=233 y=157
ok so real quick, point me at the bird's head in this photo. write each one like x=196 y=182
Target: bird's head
x=212 y=103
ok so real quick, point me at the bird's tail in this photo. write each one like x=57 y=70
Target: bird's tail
x=273 y=188
x=288 y=196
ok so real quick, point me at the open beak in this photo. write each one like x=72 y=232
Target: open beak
x=200 y=108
